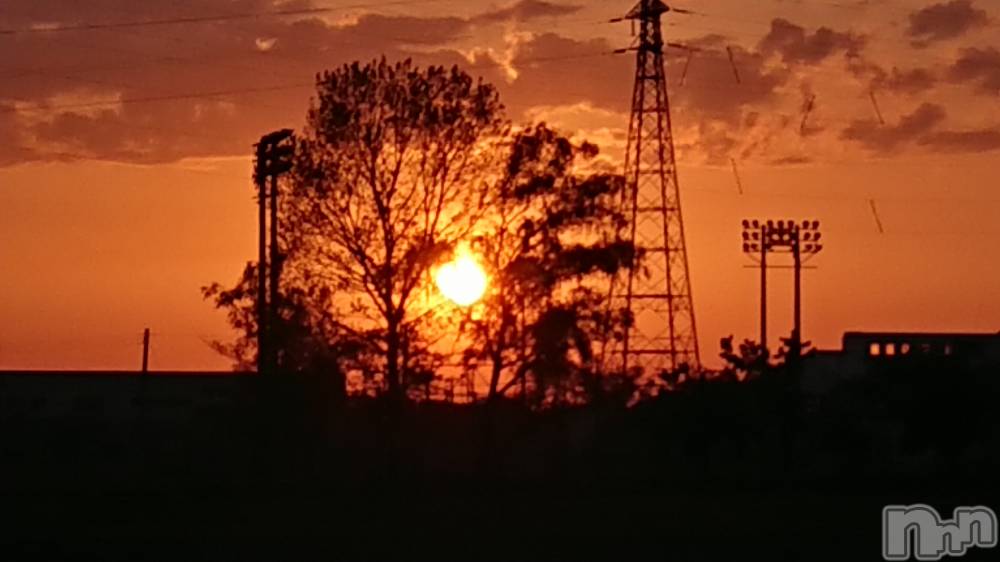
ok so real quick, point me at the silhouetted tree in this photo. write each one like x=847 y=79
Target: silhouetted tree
x=793 y=349
x=548 y=237
x=748 y=362
x=388 y=176
x=307 y=341
x=398 y=166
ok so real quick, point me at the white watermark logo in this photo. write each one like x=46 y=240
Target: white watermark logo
x=917 y=531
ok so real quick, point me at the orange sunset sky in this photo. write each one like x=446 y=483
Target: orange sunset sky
x=126 y=128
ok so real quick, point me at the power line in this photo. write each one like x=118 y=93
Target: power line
x=885 y=6
x=844 y=198
x=245 y=91
x=263 y=89
x=209 y=18
x=153 y=99
x=172 y=59
x=756 y=34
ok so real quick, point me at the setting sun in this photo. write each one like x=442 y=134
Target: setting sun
x=462 y=280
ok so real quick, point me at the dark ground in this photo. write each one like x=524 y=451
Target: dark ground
x=721 y=472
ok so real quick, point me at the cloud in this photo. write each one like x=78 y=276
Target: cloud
x=890 y=138
x=11 y=150
x=982 y=140
x=705 y=88
x=793 y=160
x=797 y=46
x=143 y=133
x=714 y=117
x=979 y=66
x=898 y=81
x=945 y=21
x=406 y=30
x=577 y=117
x=913 y=81
x=556 y=70
x=265 y=45
x=575 y=80
x=926 y=128
x=583 y=121
x=710 y=109
x=527 y=10
x=166 y=67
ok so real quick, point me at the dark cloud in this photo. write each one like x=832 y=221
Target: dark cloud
x=710 y=108
x=715 y=118
x=11 y=150
x=797 y=46
x=794 y=160
x=710 y=89
x=713 y=142
x=160 y=66
x=68 y=12
x=945 y=21
x=982 y=140
x=526 y=10
x=909 y=81
x=913 y=81
x=556 y=70
x=57 y=79
x=724 y=117
x=926 y=127
x=889 y=138
x=408 y=30
x=140 y=133
x=980 y=67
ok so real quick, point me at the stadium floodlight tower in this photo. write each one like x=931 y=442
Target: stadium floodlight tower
x=761 y=238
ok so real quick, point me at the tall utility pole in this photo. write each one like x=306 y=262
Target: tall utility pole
x=761 y=238
x=260 y=178
x=274 y=265
x=145 y=351
x=657 y=293
x=763 y=289
x=273 y=159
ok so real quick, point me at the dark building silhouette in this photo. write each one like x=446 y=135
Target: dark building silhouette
x=117 y=395
x=867 y=353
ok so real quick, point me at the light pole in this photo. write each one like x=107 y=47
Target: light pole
x=784 y=236
x=274 y=152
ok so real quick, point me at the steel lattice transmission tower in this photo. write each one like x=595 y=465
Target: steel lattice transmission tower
x=658 y=293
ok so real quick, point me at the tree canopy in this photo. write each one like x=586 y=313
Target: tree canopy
x=397 y=167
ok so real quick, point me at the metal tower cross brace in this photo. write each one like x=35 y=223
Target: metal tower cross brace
x=662 y=336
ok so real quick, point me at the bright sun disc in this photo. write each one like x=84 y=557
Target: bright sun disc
x=462 y=280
